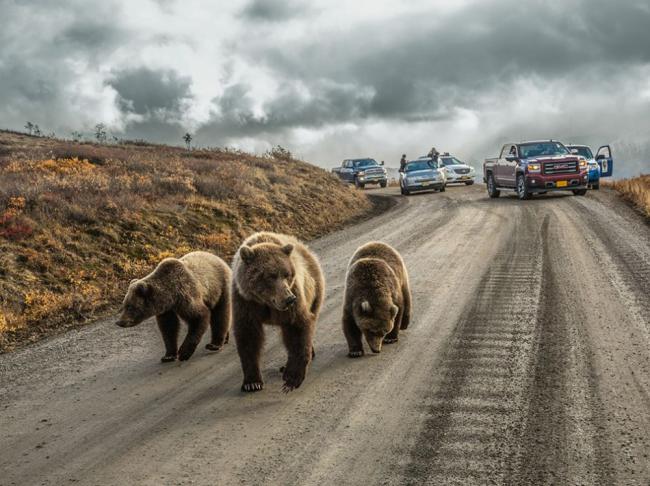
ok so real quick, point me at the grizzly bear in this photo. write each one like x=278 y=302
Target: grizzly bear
x=194 y=288
x=277 y=281
x=377 y=302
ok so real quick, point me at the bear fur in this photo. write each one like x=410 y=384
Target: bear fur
x=377 y=302
x=194 y=288
x=277 y=281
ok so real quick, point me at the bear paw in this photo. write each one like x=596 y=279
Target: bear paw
x=252 y=387
x=355 y=354
x=184 y=356
x=168 y=358
x=292 y=379
x=388 y=340
x=213 y=347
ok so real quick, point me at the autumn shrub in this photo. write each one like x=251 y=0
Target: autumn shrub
x=635 y=190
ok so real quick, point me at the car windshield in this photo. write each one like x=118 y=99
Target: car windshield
x=421 y=165
x=584 y=151
x=365 y=163
x=528 y=150
x=451 y=161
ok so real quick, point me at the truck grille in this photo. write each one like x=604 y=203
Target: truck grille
x=374 y=171
x=561 y=167
x=461 y=171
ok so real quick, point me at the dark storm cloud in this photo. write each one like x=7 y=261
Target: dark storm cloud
x=427 y=66
x=271 y=10
x=327 y=103
x=145 y=91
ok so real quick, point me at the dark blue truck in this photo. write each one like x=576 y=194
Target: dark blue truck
x=361 y=172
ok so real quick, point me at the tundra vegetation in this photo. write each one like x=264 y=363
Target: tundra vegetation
x=78 y=221
x=636 y=191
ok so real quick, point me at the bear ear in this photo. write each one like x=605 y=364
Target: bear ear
x=246 y=253
x=287 y=249
x=143 y=290
x=133 y=281
x=394 y=310
x=365 y=307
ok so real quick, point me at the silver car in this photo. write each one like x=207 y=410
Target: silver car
x=422 y=174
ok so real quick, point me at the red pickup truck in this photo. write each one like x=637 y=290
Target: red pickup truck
x=535 y=168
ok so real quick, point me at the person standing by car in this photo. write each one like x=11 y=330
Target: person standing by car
x=402 y=163
x=433 y=154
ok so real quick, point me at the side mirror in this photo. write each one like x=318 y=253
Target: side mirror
x=511 y=158
x=382 y=163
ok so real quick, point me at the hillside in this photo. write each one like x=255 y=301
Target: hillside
x=79 y=220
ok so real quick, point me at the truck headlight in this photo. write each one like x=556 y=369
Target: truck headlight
x=533 y=167
x=361 y=173
x=583 y=163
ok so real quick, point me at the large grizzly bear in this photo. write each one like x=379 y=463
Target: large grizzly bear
x=377 y=301
x=194 y=288
x=276 y=281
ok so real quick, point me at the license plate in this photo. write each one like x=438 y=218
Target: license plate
x=561 y=183
x=464 y=177
x=426 y=183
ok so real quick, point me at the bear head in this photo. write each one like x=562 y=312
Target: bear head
x=138 y=304
x=375 y=317
x=267 y=275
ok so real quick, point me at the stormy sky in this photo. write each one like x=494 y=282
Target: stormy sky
x=330 y=79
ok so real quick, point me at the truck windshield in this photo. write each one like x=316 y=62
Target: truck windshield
x=528 y=150
x=365 y=163
x=584 y=151
x=421 y=165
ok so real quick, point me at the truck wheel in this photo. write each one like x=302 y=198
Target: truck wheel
x=580 y=192
x=383 y=184
x=596 y=186
x=403 y=191
x=492 y=187
x=522 y=189
x=469 y=183
x=358 y=185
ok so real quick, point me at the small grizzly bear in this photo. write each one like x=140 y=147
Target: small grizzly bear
x=276 y=281
x=194 y=288
x=377 y=299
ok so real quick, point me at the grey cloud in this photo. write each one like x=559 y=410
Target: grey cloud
x=146 y=91
x=327 y=102
x=272 y=10
x=426 y=65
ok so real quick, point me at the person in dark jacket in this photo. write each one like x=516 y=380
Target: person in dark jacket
x=402 y=163
x=433 y=153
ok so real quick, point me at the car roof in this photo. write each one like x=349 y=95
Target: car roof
x=576 y=145
x=534 y=141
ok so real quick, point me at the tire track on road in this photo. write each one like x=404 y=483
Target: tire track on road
x=473 y=417
x=561 y=444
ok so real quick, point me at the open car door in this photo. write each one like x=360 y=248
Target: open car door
x=605 y=161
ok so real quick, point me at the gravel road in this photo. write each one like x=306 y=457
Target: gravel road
x=527 y=361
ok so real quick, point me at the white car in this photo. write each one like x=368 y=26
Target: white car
x=457 y=171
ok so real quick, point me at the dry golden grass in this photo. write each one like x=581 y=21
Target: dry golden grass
x=636 y=191
x=78 y=221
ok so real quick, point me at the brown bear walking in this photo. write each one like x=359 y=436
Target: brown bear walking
x=194 y=288
x=276 y=281
x=377 y=298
